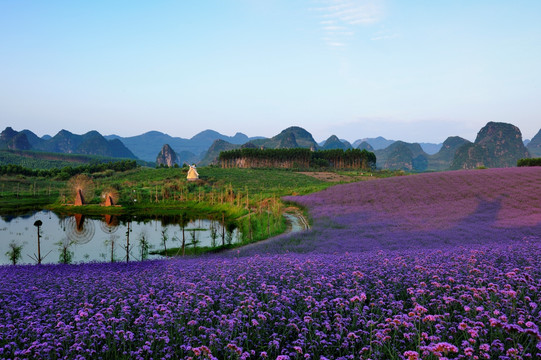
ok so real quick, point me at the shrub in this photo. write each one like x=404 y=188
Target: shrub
x=529 y=162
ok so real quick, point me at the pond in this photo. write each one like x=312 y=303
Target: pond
x=79 y=238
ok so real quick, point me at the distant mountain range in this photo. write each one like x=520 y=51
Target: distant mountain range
x=148 y=145
x=91 y=143
x=496 y=145
x=388 y=152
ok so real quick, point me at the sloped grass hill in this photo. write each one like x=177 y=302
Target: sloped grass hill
x=425 y=210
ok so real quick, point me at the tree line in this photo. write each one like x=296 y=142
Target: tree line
x=68 y=171
x=529 y=162
x=344 y=159
x=298 y=158
x=265 y=158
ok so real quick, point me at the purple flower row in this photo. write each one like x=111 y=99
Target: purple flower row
x=470 y=301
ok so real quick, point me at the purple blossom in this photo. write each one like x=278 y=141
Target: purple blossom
x=399 y=291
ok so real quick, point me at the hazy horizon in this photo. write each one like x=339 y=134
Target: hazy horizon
x=318 y=140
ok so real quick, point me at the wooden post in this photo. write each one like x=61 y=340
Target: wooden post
x=112 y=249
x=128 y=244
x=250 y=225
x=37 y=224
x=183 y=241
x=223 y=229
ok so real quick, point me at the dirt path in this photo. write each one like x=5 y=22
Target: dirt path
x=334 y=177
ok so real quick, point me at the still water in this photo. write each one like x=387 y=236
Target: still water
x=105 y=238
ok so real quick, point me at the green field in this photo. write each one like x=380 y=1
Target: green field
x=242 y=198
x=249 y=199
x=161 y=189
x=40 y=160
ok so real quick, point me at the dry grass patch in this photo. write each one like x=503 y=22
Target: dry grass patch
x=332 y=177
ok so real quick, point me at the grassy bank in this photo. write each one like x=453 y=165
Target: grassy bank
x=248 y=199
x=159 y=190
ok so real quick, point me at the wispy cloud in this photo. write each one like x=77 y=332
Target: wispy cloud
x=340 y=18
x=384 y=35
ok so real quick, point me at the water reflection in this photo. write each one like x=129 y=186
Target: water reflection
x=109 y=224
x=109 y=238
x=77 y=231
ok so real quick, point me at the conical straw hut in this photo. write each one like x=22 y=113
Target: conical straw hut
x=193 y=175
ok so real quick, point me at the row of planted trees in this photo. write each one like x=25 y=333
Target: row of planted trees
x=299 y=158
x=265 y=158
x=344 y=159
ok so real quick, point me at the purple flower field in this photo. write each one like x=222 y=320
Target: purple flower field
x=384 y=274
x=433 y=210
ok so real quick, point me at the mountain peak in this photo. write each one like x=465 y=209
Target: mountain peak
x=534 y=146
x=497 y=145
x=333 y=142
x=63 y=132
x=302 y=138
x=207 y=134
x=8 y=134
x=167 y=156
x=288 y=141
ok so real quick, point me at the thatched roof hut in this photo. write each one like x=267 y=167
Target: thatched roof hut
x=193 y=175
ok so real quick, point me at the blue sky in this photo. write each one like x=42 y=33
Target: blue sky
x=409 y=70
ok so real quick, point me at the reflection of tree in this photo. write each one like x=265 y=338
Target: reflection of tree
x=15 y=252
x=183 y=221
x=194 y=238
x=144 y=246
x=128 y=246
x=213 y=233
x=111 y=244
x=165 y=237
x=66 y=256
x=223 y=229
x=231 y=226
